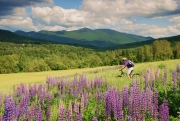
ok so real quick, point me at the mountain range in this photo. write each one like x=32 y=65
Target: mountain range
x=106 y=38
x=86 y=36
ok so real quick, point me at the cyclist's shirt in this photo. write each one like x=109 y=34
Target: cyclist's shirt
x=128 y=64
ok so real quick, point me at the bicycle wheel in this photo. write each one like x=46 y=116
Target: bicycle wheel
x=136 y=76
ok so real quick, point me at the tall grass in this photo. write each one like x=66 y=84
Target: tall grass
x=97 y=95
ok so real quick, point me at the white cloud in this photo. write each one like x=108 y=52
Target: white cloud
x=175 y=19
x=123 y=8
x=97 y=14
x=150 y=30
x=18 y=23
x=58 y=16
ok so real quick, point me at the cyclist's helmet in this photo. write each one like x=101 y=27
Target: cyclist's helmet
x=123 y=59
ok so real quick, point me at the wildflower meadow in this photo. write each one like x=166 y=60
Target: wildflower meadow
x=154 y=96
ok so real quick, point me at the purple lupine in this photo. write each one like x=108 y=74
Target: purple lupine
x=78 y=114
x=178 y=68
x=48 y=108
x=143 y=104
x=42 y=97
x=82 y=103
x=146 y=80
x=114 y=100
x=149 y=98
x=164 y=111
x=69 y=113
x=157 y=74
x=130 y=103
x=120 y=109
x=31 y=112
x=155 y=105
x=36 y=116
x=164 y=76
x=174 y=78
x=61 y=111
x=108 y=104
x=99 y=96
x=83 y=80
x=24 y=102
x=85 y=98
x=152 y=79
x=125 y=96
x=94 y=119
x=136 y=111
x=9 y=109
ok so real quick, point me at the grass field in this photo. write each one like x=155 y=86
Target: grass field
x=8 y=80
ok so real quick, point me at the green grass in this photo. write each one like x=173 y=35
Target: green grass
x=111 y=75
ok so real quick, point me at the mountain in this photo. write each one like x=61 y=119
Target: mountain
x=7 y=36
x=172 y=40
x=85 y=36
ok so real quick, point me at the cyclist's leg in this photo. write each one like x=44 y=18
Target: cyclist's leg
x=129 y=72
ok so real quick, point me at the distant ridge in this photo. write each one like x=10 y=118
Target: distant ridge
x=86 y=36
x=7 y=36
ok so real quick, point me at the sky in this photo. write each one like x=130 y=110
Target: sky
x=155 y=18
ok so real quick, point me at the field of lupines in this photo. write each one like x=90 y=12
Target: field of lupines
x=155 y=96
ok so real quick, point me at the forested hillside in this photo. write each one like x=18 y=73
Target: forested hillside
x=43 y=57
x=23 y=54
x=85 y=36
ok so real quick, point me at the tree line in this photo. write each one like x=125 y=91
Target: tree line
x=16 y=58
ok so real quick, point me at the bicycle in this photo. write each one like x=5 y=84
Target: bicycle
x=134 y=76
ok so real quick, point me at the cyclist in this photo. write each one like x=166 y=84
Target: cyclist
x=129 y=64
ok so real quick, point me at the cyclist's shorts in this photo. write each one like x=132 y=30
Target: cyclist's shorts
x=130 y=70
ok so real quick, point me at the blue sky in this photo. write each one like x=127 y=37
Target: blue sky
x=155 y=18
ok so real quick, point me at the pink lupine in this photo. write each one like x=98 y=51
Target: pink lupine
x=62 y=111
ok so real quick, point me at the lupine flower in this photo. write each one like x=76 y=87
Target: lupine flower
x=143 y=104
x=152 y=79
x=164 y=111
x=69 y=113
x=83 y=80
x=125 y=96
x=130 y=103
x=31 y=112
x=135 y=104
x=164 y=77
x=38 y=114
x=78 y=114
x=146 y=80
x=155 y=105
x=114 y=100
x=108 y=104
x=9 y=109
x=149 y=98
x=48 y=108
x=61 y=111
x=120 y=109
x=157 y=74
x=174 y=78
x=94 y=119
x=82 y=103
